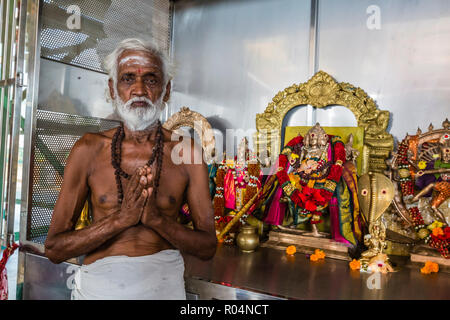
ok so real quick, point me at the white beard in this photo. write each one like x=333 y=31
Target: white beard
x=139 y=118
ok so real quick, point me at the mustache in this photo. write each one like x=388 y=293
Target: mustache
x=147 y=101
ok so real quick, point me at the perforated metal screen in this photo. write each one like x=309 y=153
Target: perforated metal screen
x=56 y=133
x=83 y=32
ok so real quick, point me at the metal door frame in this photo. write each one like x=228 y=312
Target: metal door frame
x=32 y=34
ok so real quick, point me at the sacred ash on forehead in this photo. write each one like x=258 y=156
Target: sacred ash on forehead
x=136 y=60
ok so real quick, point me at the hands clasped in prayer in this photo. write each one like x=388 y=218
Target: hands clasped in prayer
x=138 y=204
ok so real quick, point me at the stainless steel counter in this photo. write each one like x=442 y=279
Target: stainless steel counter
x=269 y=273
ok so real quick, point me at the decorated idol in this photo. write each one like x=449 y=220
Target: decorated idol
x=317 y=183
x=237 y=181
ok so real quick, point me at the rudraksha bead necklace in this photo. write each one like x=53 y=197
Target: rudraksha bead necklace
x=116 y=157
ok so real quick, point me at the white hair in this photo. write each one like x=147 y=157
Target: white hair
x=111 y=62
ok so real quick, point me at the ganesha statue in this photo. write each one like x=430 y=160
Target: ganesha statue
x=317 y=181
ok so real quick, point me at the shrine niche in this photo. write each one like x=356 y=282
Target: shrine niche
x=421 y=171
x=322 y=91
x=314 y=203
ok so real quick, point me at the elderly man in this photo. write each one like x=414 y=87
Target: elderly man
x=135 y=191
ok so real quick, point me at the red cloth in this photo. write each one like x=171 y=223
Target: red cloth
x=3 y=275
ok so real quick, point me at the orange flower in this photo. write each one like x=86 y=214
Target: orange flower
x=434 y=267
x=430 y=267
x=320 y=254
x=425 y=270
x=291 y=250
x=313 y=257
x=438 y=232
x=355 y=264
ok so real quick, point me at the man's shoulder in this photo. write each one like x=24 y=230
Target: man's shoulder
x=94 y=140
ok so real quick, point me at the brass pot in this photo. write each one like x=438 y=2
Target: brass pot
x=247 y=239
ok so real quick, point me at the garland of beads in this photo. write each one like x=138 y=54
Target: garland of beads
x=116 y=158
x=219 y=200
x=407 y=188
x=251 y=189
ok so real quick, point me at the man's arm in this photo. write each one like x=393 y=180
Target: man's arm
x=63 y=242
x=202 y=241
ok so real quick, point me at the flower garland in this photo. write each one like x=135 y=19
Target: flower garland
x=439 y=241
x=251 y=189
x=310 y=199
x=219 y=199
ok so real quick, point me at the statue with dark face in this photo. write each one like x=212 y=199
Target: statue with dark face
x=437 y=177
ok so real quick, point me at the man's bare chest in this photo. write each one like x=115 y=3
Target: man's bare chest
x=103 y=185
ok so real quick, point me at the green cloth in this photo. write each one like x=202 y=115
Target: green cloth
x=438 y=164
x=345 y=211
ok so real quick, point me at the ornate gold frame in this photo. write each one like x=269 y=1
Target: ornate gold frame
x=322 y=91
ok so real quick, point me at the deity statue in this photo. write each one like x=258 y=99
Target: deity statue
x=237 y=181
x=434 y=179
x=421 y=168
x=375 y=240
x=315 y=178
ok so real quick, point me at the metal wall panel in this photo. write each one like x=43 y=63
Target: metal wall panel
x=403 y=65
x=232 y=57
x=63 y=85
x=45 y=280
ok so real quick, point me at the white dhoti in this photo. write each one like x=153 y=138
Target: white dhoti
x=159 y=276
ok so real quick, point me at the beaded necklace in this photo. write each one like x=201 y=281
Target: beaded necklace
x=116 y=158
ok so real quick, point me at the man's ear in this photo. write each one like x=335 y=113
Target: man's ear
x=111 y=88
x=167 y=95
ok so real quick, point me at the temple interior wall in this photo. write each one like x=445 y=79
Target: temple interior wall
x=232 y=57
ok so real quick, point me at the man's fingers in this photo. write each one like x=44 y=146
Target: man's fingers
x=142 y=171
x=149 y=178
x=142 y=197
x=134 y=181
x=141 y=186
x=149 y=192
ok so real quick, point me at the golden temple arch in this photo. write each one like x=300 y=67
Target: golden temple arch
x=322 y=91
